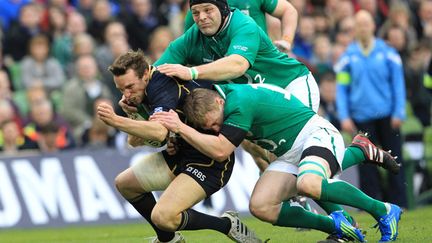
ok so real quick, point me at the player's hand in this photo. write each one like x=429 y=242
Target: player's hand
x=348 y=126
x=172 y=146
x=283 y=45
x=175 y=70
x=106 y=113
x=170 y=120
x=126 y=107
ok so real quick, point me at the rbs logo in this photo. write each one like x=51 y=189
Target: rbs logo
x=196 y=173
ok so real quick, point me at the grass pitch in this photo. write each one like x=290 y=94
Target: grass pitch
x=415 y=226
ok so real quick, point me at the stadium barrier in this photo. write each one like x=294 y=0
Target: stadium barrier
x=77 y=188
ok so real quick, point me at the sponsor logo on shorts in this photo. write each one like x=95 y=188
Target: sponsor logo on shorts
x=197 y=173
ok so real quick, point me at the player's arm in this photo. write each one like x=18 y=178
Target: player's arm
x=229 y=67
x=218 y=147
x=288 y=16
x=150 y=130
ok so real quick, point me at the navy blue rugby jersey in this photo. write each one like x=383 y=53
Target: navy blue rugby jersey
x=164 y=93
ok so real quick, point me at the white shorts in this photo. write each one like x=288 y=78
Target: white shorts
x=306 y=89
x=317 y=132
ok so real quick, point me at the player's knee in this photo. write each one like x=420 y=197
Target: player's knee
x=310 y=186
x=121 y=183
x=164 y=218
x=260 y=209
x=127 y=186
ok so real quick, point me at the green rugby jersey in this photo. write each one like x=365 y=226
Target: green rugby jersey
x=240 y=36
x=271 y=116
x=254 y=8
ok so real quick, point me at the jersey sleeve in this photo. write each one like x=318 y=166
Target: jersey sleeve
x=234 y=134
x=269 y=5
x=188 y=20
x=245 y=41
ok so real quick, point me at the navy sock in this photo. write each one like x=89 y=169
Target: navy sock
x=144 y=204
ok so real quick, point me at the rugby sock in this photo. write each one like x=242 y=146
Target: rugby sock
x=352 y=156
x=144 y=204
x=194 y=220
x=294 y=215
x=330 y=207
x=341 y=192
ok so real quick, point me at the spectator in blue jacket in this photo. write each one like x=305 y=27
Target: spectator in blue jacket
x=371 y=98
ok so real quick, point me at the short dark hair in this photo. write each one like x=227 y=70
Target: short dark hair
x=134 y=60
x=198 y=103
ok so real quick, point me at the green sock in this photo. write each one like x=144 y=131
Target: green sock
x=330 y=207
x=341 y=192
x=352 y=156
x=297 y=216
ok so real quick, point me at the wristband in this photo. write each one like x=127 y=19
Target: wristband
x=194 y=73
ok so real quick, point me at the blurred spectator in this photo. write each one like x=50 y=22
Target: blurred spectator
x=85 y=8
x=327 y=108
x=339 y=10
x=62 y=48
x=104 y=53
x=6 y=111
x=397 y=38
x=345 y=31
x=337 y=51
x=55 y=23
x=12 y=139
x=5 y=86
x=140 y=22
x=427 y=78
x=41 y=115
x=424 y=22
x=117 y=47
x=39 y=69
x=18 y=36
x=159 y=41
x=9 y=11
x=321 y=58
x=82 y=44
x=101 y=16
x=322 y=22
x=4 y=67
x=377 y=8
x=417 y=94
x=371 y=98
x=97 y=134
x=80 y=93
x=47 y=139
x=173 y=10
x=399 y=16
x=303 y=41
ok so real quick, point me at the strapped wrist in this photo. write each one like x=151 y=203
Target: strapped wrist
x=194 y=73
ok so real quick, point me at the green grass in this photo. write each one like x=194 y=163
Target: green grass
x=416 y=226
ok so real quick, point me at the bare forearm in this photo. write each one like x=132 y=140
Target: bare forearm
x=143 y=129
x=223 y=69
x=210 y=145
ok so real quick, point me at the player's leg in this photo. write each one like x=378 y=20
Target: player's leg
x=136 y=184
x=196 y=182
x=361 y=150
x=272 y=205
x=313 y=182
